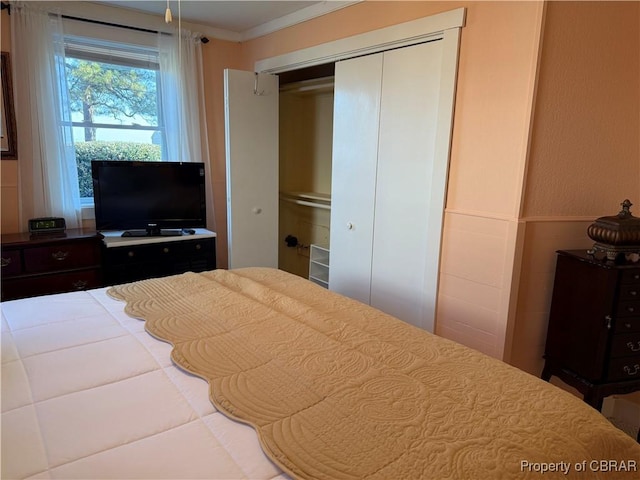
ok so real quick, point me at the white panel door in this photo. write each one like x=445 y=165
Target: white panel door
x=408 y=127
x=353 y=178
x=251 y=145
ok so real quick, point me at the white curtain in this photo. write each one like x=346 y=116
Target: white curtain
x=48 y=176
x=183 y=109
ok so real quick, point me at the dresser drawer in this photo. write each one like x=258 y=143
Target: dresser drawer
x=197 y=247
x=628 y=309
x=630 y=292
x=61 y=257
x=627 y=325
x=52 y=283
x=126 y=255
x=626 y=345
x=627 y=368
x=631 y=276
x=11 y=263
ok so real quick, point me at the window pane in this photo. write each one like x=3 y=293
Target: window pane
x=112 y=94
x=113 y=150
x=102 y=133
x=114 y=108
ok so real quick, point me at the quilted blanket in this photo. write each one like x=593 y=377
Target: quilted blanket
x=338 y=390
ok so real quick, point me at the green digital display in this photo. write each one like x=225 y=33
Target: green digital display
x=47 y=224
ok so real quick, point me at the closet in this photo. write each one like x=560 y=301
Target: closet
x=392 y=112
x=305 y=152
x=278 y=135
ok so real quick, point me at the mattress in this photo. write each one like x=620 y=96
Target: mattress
x=326 y=386
x=87 y=393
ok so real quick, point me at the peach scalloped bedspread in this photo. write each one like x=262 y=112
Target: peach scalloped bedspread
x=338 y=390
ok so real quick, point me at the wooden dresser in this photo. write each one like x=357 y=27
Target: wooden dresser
x=38 y=265
x=593 y=339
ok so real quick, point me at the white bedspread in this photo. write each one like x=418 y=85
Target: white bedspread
x=87 y=393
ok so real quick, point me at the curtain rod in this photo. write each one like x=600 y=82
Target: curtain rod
x=7 y=6
x=137 y=29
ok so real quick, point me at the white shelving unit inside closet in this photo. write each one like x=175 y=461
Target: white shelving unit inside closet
x=319 y=265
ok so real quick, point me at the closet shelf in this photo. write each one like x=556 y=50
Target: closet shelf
x=309 y=87
x=308 y=199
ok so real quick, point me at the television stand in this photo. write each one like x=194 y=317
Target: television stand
x=152 y=232
x=129 y=259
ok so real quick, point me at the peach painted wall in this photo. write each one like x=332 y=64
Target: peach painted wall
x=218 y=55
x=8 y=168
x=481 y=237
x=585 y=148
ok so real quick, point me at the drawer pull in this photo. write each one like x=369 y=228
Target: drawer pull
x=631 y=309
x=608 y=319
x=627 y=369
x=80 y=284
x=5 y=262
x=632 y=347
x=165 y=250
x=633 y=293
x=198 y=247
x=59 y=255
x=627 y=325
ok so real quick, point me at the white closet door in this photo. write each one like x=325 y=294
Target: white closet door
x=353 y=176
x=251 y=144
x=392 y=131
x=408 y=127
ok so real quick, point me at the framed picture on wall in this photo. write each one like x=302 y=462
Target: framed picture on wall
x=8 y=138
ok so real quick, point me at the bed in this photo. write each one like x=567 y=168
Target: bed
x=256 y=373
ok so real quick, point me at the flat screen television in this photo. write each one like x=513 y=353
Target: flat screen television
x=148 y=198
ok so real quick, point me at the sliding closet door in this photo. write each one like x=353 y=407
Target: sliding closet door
x=408 y=125
x=353 y=177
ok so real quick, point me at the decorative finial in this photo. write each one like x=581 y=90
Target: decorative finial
x=625 y=212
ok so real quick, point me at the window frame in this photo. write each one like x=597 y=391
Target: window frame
x=116 y=46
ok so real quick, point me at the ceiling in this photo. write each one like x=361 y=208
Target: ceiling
x=238 y=17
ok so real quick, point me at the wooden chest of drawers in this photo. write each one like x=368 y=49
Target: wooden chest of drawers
x=593 y=339
x=33 y=265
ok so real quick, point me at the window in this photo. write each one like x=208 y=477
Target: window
x=113 y=96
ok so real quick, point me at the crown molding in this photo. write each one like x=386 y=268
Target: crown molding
x=308 y=13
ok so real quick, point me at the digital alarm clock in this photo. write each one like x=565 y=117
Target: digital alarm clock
x=47 y=225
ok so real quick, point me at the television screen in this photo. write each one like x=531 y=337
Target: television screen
x=148 y=198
